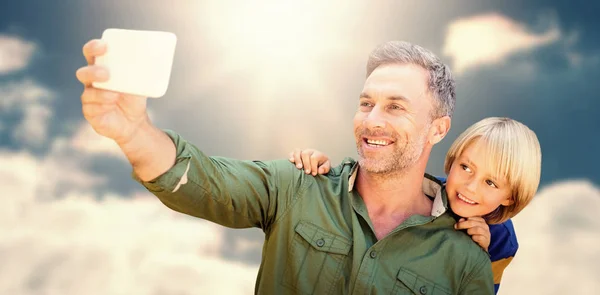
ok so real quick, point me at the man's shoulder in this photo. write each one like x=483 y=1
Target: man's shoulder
x=286 y=172
x=460 y=242
x=346 y=166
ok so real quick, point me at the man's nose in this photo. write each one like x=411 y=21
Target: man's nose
x=375 y=119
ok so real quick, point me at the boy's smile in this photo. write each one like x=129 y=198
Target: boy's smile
x=465 y=199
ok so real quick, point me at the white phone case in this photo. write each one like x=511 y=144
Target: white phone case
x=138 y=62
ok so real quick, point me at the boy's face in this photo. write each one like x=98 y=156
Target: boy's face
x=472 y=187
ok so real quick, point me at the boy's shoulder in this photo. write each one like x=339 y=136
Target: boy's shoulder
x=503 y=241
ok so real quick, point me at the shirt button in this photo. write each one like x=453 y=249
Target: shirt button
x=320 y=242
x=373 y=254
x=423 y=290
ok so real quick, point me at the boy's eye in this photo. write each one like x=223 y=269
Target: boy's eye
x=464 y=167
x=491 y=183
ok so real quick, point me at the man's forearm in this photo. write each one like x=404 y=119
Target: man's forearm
x=150 y=151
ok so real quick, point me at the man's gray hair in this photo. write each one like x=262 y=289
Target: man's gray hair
x=441 y=83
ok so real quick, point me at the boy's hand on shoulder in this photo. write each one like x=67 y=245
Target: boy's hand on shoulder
x=477 y=228
x=311 y=160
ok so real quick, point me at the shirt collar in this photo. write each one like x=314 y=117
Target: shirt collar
x=431 y=187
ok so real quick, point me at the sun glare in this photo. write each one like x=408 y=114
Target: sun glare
x=276 y=36
x=279 y=57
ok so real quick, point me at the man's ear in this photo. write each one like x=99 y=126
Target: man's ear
x=439 y=129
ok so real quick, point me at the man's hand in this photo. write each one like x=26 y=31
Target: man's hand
x=312 y=160
x=124 y=119
x=477 y=228
x=115 y=115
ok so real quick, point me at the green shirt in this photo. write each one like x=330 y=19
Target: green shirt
x=318 y=236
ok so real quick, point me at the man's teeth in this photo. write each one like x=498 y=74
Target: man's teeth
x=464 y=199
x=377 y=142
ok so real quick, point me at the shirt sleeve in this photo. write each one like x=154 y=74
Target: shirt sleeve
x=503 y=248
x=229 y=192
x=480 y=280
x=498 y=267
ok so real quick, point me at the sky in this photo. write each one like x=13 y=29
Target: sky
x=254 y=80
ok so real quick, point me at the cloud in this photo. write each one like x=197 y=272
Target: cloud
x=75 y=243
x=33 y=102
x=86 y=140
x=18 y=93
x=559 y=237
x=490 y=39
x=15 y=53
x=288 y=61
x=27 y=97
x=33 y=128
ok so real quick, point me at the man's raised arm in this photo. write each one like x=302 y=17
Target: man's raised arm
x=229 y=192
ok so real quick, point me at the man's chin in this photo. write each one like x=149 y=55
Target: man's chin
x=375 y=166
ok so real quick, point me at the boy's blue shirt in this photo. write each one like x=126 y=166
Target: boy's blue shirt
x=503 y=246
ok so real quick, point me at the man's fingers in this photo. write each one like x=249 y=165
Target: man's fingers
x=88 y=74
x=93 y=110
x=92 y=49
x=92 y=95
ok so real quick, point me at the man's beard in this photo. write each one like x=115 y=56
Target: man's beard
x=403 y=156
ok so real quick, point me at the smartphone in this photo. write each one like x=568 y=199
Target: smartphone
x=139 y=62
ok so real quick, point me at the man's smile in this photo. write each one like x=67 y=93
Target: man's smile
x=377 y=142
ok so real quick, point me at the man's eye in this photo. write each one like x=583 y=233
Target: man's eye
x=365 y=104
x=491 y=183
x=396 y=107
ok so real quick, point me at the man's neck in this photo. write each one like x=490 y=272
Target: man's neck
x=394 y=194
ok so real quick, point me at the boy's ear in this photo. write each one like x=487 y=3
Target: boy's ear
x=439 y=129
x=508 y=201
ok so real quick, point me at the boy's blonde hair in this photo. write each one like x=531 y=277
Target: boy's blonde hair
x=514 y=152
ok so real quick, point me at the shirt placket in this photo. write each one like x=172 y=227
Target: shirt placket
x=369 y=262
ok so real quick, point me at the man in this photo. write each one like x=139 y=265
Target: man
x=376 y=226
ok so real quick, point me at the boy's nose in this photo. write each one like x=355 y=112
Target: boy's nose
x=472 y=186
